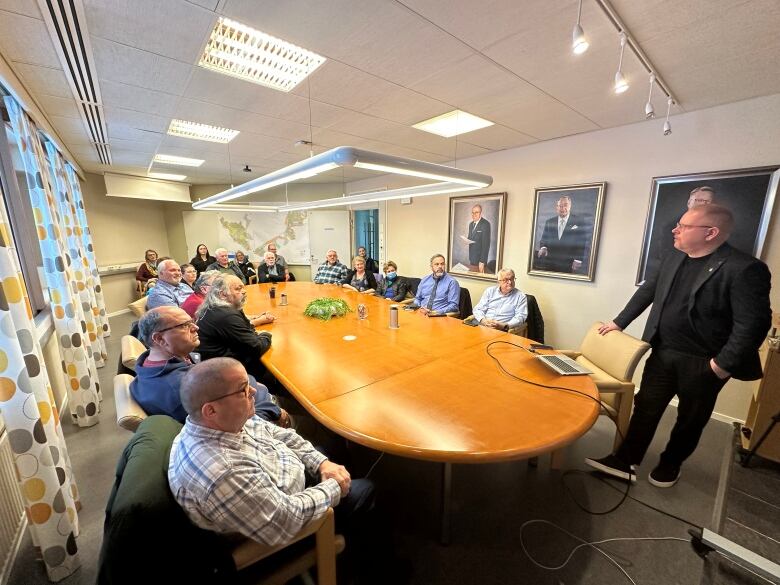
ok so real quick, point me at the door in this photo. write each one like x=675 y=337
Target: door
x=329 y=229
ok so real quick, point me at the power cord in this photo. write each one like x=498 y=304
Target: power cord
x=592 y=544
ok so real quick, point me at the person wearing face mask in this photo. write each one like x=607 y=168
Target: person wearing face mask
x=438 y=292
x=393 y=287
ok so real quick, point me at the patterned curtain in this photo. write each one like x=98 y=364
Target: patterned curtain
x=70 y=322
x=86 y=286
x=33 y=424
x=86 y=240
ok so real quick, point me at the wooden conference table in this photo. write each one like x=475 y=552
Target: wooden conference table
x=427 y=390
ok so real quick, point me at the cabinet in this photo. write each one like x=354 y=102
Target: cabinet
x=765 y=404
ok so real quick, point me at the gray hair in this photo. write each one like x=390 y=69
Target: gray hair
x=219 y=287
x=161 y=266
x=442 y=256
x=148 y=325
x=205 y=278
x=220 y=250
x=505 y=271
x=203 y=383
x=562 y=197
x=271 y=253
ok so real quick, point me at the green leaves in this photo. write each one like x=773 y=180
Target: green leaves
x=326 y=307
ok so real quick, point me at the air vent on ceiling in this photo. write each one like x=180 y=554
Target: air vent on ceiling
x=68 y=30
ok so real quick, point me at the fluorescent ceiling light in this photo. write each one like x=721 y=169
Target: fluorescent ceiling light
x=244 y=52
x=453 y=123
x=450 y=179
x=166 y=176
x=169 y=159
x=198 y=131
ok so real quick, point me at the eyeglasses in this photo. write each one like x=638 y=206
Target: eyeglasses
x=187 y=324
x=685 y=226
x=507 y=279
x=244 y=391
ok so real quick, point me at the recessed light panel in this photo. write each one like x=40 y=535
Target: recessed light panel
x=198 y=131
x=169 y=159
x=241 y=51
x=453 y=123
x=166 y=176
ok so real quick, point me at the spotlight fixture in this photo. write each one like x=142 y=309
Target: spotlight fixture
x=667 y=125
x=247 y=169
x=579 y=44
x=649 y=111
x=621 y=83
x=304 y=143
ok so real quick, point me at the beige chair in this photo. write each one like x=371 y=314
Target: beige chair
x=612 y=358
x=129 y=413
x=138 y=308
x=131 y=351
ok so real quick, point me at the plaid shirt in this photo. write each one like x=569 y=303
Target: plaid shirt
x=327 y=274
x=252 y=482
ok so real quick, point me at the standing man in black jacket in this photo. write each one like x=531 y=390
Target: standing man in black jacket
x=710 y=313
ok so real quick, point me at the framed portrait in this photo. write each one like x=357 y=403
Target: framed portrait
x=749 y=193
x=567 y=221
x=476 y=235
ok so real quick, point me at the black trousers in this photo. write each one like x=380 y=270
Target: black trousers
x=668 y=373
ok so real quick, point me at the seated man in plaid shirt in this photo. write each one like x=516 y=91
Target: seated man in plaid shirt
x=331 y=271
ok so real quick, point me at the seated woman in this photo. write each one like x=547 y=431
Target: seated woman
x=146 y=271
x=189 y=275
x=393 y=287
x=359 y=278
x=242 y=261
x=202 y=258
x=270 y=270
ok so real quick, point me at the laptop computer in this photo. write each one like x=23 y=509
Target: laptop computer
x=563 y=365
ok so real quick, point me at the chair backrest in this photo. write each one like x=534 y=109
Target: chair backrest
x=146 y=532
x=131 y=351
x=129 y=413
x=464 y=302
x=138 y=308
x=534 y=321
x=413 y=284
x=616 y=353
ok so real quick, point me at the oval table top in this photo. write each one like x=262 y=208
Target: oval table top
x=427 y=390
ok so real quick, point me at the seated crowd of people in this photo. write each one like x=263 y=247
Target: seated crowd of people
x=237 y=449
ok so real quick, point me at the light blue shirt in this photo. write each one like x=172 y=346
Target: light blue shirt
x=447 y=294
x=511 y=308
x=165 y=294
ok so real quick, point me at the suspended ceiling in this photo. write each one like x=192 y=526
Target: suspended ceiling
x=390 y=64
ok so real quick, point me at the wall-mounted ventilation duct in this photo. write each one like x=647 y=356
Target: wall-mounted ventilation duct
x=68 y=30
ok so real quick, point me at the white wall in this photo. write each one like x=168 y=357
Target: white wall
x=735 y=136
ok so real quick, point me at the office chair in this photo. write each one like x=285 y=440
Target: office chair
x=612 y=358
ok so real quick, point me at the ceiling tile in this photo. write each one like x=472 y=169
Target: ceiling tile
x=179 y=29
x=406 y=106
x=124 y=64
x=44 y=80
x=57 y=106
x=26 y=40
x=24 y=7
x=132 y=97
x=496 y=138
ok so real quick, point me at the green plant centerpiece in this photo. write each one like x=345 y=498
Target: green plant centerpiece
x=326 y=307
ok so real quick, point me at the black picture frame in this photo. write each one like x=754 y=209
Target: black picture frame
x=554 y=256
x=749 y=193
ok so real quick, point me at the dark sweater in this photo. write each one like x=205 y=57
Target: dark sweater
x=226 y=332
x=156 y=390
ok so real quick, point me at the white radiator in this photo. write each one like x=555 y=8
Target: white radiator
x=12 y=518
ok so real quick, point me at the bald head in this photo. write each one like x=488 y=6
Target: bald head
x=206 y=382
x=717 y=216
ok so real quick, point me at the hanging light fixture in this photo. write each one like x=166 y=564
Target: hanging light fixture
x=649 y=110
x=667 y=125
x=579 y=43
x=621 y=83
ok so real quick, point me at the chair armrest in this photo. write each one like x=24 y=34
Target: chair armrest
x=572 y=353
x=131 y=351
x=252 y=279
x=408 y=301
x=128 y=412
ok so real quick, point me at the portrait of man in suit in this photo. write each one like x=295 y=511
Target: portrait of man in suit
x=564 y=239
x=565 y=231
x=476 y=235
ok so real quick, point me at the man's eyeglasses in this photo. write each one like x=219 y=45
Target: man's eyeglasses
x=685 y=226
x=186 y=325
x=507 y=279
x=244 y=391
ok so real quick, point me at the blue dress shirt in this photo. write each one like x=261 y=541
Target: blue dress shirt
x=165 y=294
x=511 y=308
x=447 y=294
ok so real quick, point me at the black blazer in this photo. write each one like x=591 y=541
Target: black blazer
x=728 y=307
x=264 y=276
x=401 y=289
x=370 y=280
x=480 y=235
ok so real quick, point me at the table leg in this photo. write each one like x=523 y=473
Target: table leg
x=446 y=502
x=558 y=459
